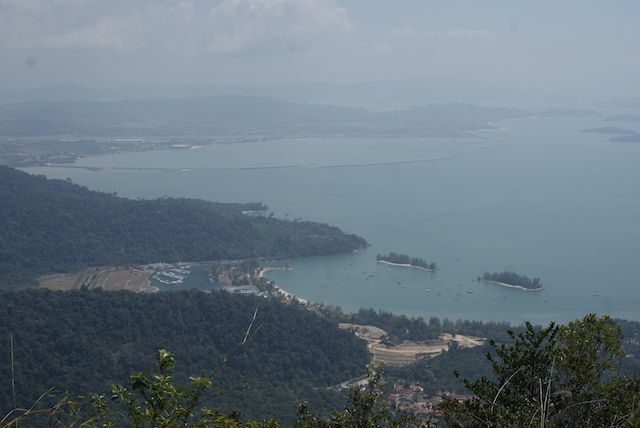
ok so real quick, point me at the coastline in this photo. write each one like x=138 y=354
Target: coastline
x=265 y=270
x=518 y=287
x=288 y=296
x=406 y=265
x=279 y=291
x=255 y=212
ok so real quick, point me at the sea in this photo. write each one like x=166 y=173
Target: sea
x=536 y=196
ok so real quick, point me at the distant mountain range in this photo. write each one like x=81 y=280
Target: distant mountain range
x=234 y=115
x=568 y=112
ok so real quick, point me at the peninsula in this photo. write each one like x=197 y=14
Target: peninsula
x=54 y=226
x=403 y=260
x=512 y=280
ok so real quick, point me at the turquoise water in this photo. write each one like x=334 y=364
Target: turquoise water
x=539 y=197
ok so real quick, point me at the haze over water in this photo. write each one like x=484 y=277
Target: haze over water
x=540 y=198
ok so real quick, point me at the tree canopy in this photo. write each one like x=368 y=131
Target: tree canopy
x=552 y=377
x=84 y=341
x=56 y=226
x=557 y=376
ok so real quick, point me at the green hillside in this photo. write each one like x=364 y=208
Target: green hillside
x=57 y=226
x=83 y=341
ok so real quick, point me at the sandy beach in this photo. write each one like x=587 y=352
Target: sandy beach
x=406 y=265
x=278 y=290
x=518 y=287
x=265 y=270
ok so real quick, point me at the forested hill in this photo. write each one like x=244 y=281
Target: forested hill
x=83 y=341
x=57 y=226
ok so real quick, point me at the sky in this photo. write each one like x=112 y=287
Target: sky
x=511 y=50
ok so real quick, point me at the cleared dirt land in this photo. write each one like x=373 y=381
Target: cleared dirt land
x=109 y=278
x=406 y=352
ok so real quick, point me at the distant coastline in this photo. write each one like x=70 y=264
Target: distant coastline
x=611 y=130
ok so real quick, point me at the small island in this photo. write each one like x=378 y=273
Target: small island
x=631 y=138
x=512 y=280
x=613 y=130
x=403 y=260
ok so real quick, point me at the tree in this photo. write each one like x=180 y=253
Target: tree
x=556 y=376
x=154 y=400
x=150 y=400
x=587 y=362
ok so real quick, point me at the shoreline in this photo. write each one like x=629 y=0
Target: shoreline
x=406 y=265
x=266 y=270
x=255 y=212
x=518 y=287
x=288 y=296
x=282 y=293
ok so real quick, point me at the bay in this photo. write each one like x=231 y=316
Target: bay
x=537 y=196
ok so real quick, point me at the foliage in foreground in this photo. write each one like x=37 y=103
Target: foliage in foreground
x=154 y=399
x=553 y=377
x=558 y=376
x=87 y=340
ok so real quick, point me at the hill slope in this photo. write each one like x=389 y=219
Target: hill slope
x=56 y=226
x=83 y=341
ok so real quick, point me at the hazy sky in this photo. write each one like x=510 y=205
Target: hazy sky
x=556 y=48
